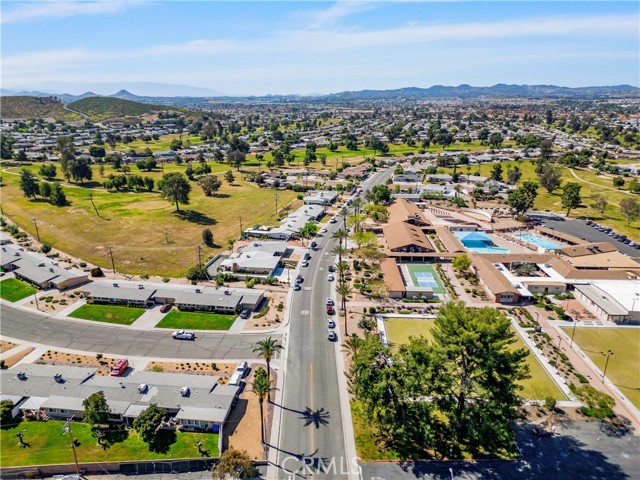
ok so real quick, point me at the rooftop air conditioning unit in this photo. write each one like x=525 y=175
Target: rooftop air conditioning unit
x=198 y=290
x=140 y=286
x=115 y=285
x=143 y=387
x=184 y=392
x=21 y=376
x=227 y=292
x=58 y=377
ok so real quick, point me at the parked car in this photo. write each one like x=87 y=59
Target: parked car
x=307 y=256
x=331 y=335
x=332 y=268
x=314 y=244
x=165 y=308
x=304 y=263
x=297 y=287
x=589 y=222
x=330 y=277
x=246 y=313
x=184 y=335
x=299 y=279
x=329 y=301
x=331 y=310
x=331 y=323
x=324 y=230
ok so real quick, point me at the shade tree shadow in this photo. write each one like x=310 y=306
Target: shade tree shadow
x=195 y=217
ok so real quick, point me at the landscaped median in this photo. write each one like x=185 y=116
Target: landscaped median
x=48 y=445
x=13 y=290
x=108 y=313
x=196 y=321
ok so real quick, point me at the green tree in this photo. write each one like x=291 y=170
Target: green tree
x=496 y=172
x=229 y=177
x=45 y=190
x=196 y=273
x=236 y=158
x=599 y=203
x=207 y=238
x=522 y=199
x=444 y=139
x=234 y=464
x=47 y=170
x=461 y=263
x=630 y=209
x=513 y=175
x=618 y=182
x=80 y=169
x=261 y=387
x=550 y=177
x=495 y=140
x=571 y=196
x=57 y=197
x=6 y=147
x=28 y=183
x=210 y=184
x=67 y=150
x=380 y=194
x=267 y=349
x=96 y=409
x=148 y=422
x=6 y=406
x=310 y=229
x=175 y=187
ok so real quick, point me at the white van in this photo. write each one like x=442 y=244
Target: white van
x=236 y=379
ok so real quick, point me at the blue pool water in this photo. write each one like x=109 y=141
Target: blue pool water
x=538 y=241
x=479 y=242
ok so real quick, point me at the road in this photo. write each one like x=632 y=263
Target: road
x=96 y=337
x=311 y=429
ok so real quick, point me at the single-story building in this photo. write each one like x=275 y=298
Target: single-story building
x=320 y=197
x=117 y=293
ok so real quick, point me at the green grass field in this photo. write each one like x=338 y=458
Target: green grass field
x=623 y=364
x=591 y=184
x=47 y=445
x=13 y=289
x=108 y=313
x=538 y=387
x=145 y=232
x=196 y=320
x=413 y=268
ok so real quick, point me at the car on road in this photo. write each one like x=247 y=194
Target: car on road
x=330 y=277
x=314 y=244
x=589 y=222
x=331 y=323
x=297 y=287
x=246 y=313
x=329 y=302
x=324 y=230
x=307 y=256
x=304 y=263
x=331 y=335
x=299 y=279
x=332 y=268
x=184 y=335
x=165 y=308
x=333 y=220
x=331 y=310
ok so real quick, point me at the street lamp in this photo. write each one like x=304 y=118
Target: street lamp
x=606 y=364
x=558 y=353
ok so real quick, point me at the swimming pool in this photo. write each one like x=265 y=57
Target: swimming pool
x=479 y=242
x=538 y=241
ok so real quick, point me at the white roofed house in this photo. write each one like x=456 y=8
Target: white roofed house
x=320 y=197
x=258 y=258
x=102 y=292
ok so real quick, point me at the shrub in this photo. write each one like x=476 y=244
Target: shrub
x=144 y=276
x=599 y=404
x=83 y=264
x=550 y=403
x=165 y=279
x=45 y=247
x=581 y=378
x=157 y=368
x=97 y=272
x=372 y=310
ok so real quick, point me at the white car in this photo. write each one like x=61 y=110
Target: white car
x=333 y=220
x=331 y=336
x=330 y=277
x=329 y=302
x=183 y=335
x=331 y=323
x=324 y=230
x=304 y=264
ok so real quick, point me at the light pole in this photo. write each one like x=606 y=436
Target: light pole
x=558 y=353
x=573 y=332
x=606 y=364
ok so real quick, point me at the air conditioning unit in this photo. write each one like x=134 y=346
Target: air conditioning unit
x=198 y=290
x=143 y=387
x=21 y=376
x=58 y=377
x=185 y=391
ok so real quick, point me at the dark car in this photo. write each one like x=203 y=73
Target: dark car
x=246 y=313
x=165 y=308
x=332 y=268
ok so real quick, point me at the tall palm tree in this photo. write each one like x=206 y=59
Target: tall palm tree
x=338 y=249
x=352 y=345
x=342 y=268
x=341 y=234
x=261 y=387
x=344 y=289
x=344 y=213
x=267 y=348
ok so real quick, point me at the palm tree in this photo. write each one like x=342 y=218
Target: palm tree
x=341 y=234
x=261 y=387
x=342 y=268
x=344 y=213
x=344 y=289
x=352 y=345
x=267 y=348
x=338 y=249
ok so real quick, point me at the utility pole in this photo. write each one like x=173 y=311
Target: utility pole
x=35 y=224
x=240 y=218
x=606 y=364
x=35 y=297
x=276 y=204
x=199 y=248
x=113 y=265
x=67 y=429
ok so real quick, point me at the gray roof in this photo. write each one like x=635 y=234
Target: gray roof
x=206 y=297
x=217 y=415
x=108 y=290
x=66 y=403
x=34 y=267
x=602 y=299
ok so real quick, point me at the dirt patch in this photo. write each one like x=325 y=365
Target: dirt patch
x=224 y=370
x=54 y=301
x=6 y=345
x=16 y=357
x=52 y=357
x=277 y=297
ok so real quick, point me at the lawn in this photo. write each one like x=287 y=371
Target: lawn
x=623 y=364
x=538 y=387
x=13 y=289
x=47 y=445
x=196 y=321
x=591 y=183
x=145 y=232
x=108 y=313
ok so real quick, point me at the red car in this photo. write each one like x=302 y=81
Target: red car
x=330 y=310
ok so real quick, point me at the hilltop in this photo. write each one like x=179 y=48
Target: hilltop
x=23 y=107
x=103 y=108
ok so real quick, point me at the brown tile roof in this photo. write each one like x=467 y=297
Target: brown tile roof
x=610 y=261
x=391 y=274
x=491 y=277
x=587 y=249
x=401 y=210
x=565 y=237
x=401 y=235
x=449 y=240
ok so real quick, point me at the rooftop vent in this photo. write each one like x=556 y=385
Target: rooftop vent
x=185 y=392
x=58 y=378
x=115 y=285
x=21 y=376
x=143 y=387
x=140 y=286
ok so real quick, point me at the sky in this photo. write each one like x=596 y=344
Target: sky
x=305 y=47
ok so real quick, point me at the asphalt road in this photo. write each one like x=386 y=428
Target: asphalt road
x=104 y=338
x=580 y=229
x=311 y=434
x=584 y=450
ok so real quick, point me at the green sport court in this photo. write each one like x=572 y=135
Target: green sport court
x=424 y=275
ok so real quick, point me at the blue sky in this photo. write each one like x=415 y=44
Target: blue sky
x=317 y=47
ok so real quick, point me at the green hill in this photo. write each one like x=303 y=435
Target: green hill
x=27 y=108
x=102 y=108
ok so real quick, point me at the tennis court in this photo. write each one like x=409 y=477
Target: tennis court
x=424 y=275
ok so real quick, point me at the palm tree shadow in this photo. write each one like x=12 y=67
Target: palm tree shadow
x=315 y=417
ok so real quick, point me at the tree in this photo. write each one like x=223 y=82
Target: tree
x=496 y=172
x=234 y=464
x=267 y=349
x=207 y=238
x=149 y=183
x=80 y=169
x=236 y=158
x=229 y=177
x=344 y=290
x=47 y=170
x=6 y=146
x=67 y=150
x=444 y=139
x=96 y=409
x=310 y=229
x=550 y=177
x=57 y=196
x=571 y=196
x=495 y=140
x=522 y=199
x=97 y=152
x=21 y=156
x=376 y=145
x=513 y=175
x=461 y=263
x=630 y=208
x=618 y=182
x=380 y=194
x=210 y=184
x=197 y=272
x=6 y=406
x=599 y=203
x=175 y=187
x=148 y=422
x=261 y=387
x=28 y=183
x=45 y=190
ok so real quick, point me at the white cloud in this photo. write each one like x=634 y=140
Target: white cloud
x=336 y=12
x=26 y=12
